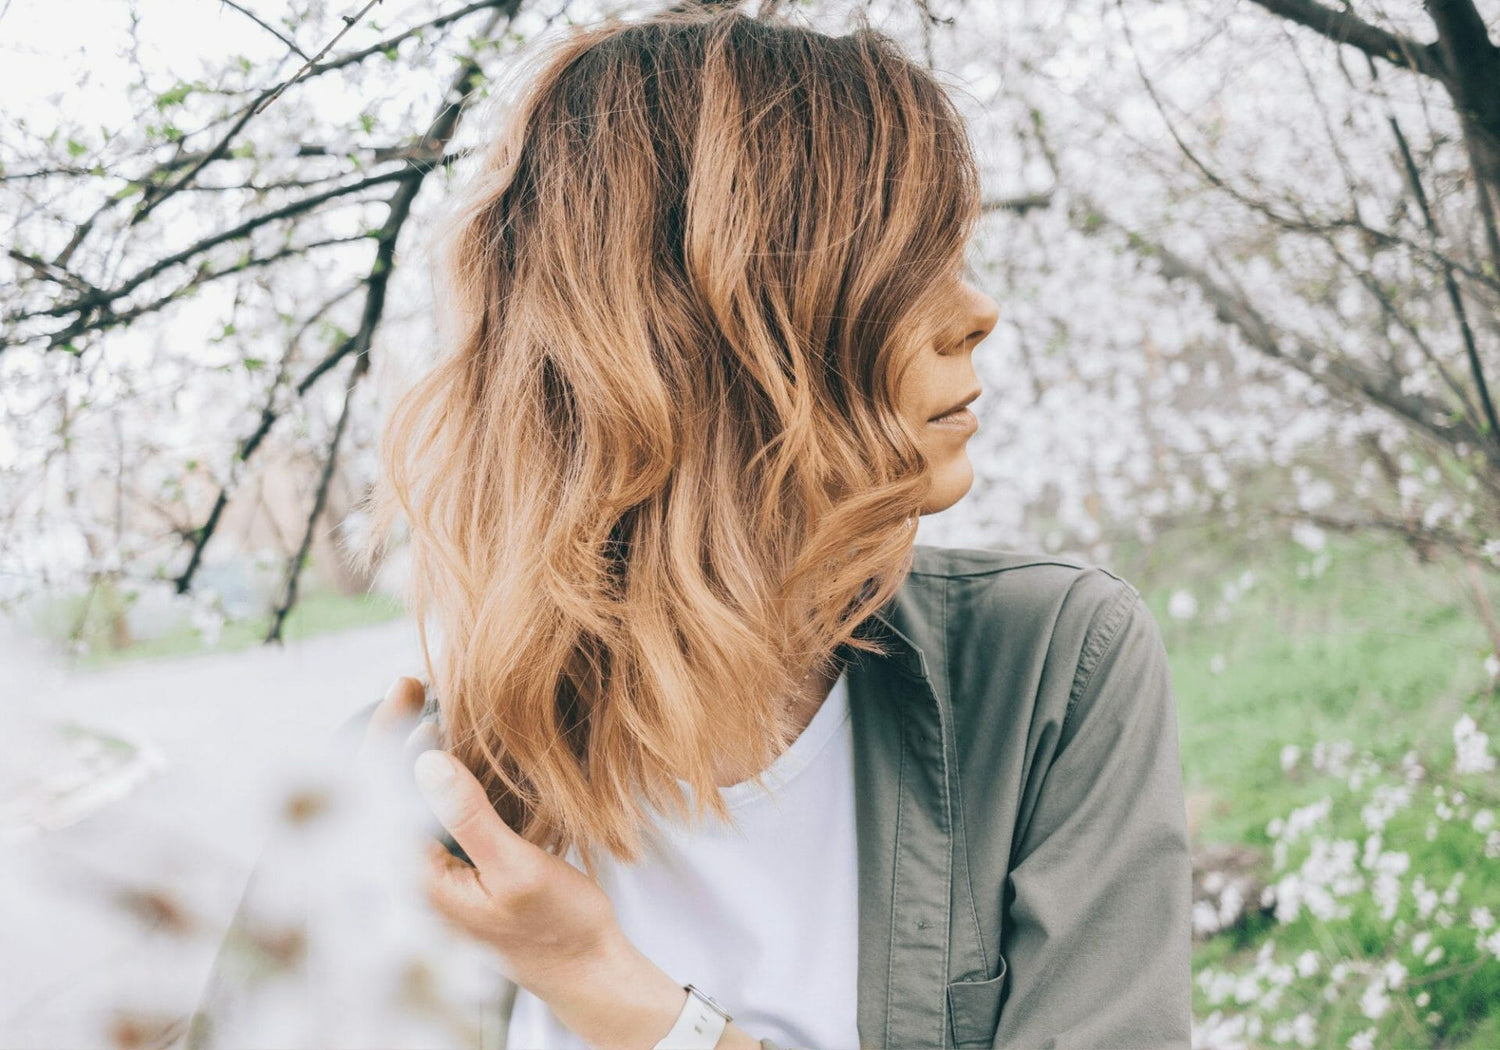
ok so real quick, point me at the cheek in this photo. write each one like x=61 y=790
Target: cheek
x=917 y=392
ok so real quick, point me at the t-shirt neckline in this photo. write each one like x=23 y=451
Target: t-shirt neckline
x=826 y=721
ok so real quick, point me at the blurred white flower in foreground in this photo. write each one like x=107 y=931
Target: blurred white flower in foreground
x=334 y=944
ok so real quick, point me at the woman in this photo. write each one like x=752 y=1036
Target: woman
x=722 y=730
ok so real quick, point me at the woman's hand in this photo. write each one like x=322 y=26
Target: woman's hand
x=548 y=920
x=553 y=928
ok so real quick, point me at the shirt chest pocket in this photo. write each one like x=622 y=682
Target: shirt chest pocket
x=975 y=1008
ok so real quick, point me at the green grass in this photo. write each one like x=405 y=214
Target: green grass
x=1378 y=649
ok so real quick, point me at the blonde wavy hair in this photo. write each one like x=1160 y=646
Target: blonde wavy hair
x=662 y=476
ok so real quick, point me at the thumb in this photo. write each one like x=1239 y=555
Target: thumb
x=460 y=804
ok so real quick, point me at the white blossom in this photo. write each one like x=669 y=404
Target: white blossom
x=1374 y=1002
x=1205 y=917
x=1332 y=757
x=1387 y=801
x=1471 y=748
x=1182 y=605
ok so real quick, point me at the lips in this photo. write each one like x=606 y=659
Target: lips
x=955 y=407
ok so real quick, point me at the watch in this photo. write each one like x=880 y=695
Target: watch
x=699 y=1025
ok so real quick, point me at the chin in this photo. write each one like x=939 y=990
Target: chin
x=951 y=482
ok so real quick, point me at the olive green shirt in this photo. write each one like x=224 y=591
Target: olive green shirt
x=1024 y=866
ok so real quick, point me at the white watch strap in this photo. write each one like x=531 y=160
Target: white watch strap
x=699 y=1025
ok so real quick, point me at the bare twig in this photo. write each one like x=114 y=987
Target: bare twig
x=1018 y=205
x=320 y=500
x=288 y=41
x=350 y=21
x=1455 y=298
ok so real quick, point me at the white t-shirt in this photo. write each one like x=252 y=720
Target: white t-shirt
x=764 y=920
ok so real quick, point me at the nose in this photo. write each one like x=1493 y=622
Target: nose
x=984 y=315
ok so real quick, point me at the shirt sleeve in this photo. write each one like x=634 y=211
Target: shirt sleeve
x=1098 y=937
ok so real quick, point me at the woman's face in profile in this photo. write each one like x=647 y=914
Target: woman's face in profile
x=942 y=377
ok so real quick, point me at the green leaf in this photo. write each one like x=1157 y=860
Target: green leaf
x=174 y=96
x=76 y=148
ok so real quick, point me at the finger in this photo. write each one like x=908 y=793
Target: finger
x=403 y=703
x=401 y=707
x=426 y=737
x=459 y=802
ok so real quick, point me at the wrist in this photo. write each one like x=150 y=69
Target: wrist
x=618 y=999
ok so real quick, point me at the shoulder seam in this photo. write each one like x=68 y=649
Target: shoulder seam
x=1080 y=566
x=1111 y=620
x=944 y=559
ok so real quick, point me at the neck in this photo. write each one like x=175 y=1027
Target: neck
x=804 y=705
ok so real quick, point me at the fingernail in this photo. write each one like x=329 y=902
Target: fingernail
x=434 y=775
